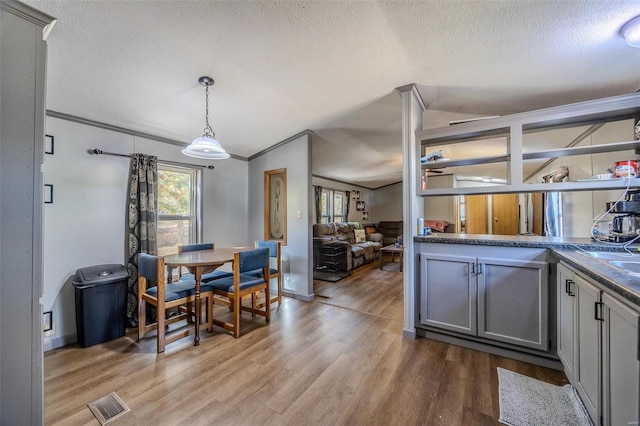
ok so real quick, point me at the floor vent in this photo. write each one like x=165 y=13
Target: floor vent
x=108 y=408
x=322 y=296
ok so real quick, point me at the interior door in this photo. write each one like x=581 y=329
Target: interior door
x=504 y=214
x=476 y=214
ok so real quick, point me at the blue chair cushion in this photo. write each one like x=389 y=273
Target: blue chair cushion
x=226 y=284
x=258 y=272
x=208 y=277
x=174 y=291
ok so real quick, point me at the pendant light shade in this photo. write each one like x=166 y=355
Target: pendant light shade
x=631 y=32
x=206 y=146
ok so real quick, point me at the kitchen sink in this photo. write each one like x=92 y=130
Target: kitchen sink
x=613 y=256
x=627 y=266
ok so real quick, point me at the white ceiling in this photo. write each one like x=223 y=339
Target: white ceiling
x=331 y=67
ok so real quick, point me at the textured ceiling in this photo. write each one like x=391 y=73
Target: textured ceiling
x=331 y=67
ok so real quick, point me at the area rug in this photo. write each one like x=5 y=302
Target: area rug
x=330 y=276
x=525 y=401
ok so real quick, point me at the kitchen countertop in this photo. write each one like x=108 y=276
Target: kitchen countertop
x=567 y=249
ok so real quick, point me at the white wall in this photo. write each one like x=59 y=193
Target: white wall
x=387 y=203
x=295 y=156
x=85 y=225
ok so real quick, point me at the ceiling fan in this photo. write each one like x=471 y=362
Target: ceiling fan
x=433 y=157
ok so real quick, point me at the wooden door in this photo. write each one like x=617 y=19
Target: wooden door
x=475 y=208
x=504 y=214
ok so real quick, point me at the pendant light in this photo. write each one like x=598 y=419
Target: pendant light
x=206 y=146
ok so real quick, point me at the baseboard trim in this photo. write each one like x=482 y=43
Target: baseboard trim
x=58 y=342
x=543 y=361
x=308 y=298
x=409 y=333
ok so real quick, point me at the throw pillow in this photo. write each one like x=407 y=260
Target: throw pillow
x=361 y=236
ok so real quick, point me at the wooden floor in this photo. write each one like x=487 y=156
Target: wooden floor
x=335 y=361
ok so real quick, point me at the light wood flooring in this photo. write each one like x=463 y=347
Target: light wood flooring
x=335 y=361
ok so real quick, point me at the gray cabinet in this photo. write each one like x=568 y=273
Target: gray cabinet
x=598 y=347
x=22 y=84
x=566 y=319
x=587 y=367
x=449 y=294
x=620 y=365
x=513 y=302
x=496 y=299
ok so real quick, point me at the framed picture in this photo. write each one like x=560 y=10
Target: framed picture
x=365 y=215
x=360 y=206
x=355 y=194
x=275 y=205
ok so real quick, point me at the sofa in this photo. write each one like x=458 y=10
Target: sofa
x=390 y=231
x=360 y=249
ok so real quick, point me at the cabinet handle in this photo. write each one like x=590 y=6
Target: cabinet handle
x=601 y=305
x=567 y=287
x=473 y=268
x=480 y=268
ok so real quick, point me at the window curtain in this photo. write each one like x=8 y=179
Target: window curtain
x=348 y=204
x=318 y=199
x=141 y=231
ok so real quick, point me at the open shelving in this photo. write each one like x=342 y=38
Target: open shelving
x=513 y=127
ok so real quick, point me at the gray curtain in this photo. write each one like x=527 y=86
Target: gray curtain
x=346 y=210
x=142 y=206
x=318 y=199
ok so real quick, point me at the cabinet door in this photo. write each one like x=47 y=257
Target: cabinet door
x=566 y=324
x=513 y=302
x=587 y=367
x=620 y=366
x=448 y=292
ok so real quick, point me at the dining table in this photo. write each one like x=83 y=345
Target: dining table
x=200 y=262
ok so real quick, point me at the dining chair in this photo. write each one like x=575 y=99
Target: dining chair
x=164 y=295
x=241 y=284
x=275 y=266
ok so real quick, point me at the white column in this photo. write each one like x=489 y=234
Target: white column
x=412 y=109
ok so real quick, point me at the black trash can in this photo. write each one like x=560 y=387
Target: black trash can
x=101 y=303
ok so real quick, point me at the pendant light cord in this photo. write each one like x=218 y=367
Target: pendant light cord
x=208 y=131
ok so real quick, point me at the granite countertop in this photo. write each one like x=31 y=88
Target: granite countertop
x=566 y=249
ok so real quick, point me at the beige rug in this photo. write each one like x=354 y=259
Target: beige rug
x=525 y=401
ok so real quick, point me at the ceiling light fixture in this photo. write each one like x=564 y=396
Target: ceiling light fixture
x=206 y=146
x=631 y=32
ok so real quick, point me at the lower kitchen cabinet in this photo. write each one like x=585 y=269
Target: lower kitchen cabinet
x=600 y=357
x=495 y=299
x=621 y=368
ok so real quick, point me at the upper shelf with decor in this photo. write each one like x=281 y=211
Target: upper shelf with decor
x=520 y=148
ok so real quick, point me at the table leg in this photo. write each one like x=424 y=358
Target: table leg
x=381 y=254
x=198 y=275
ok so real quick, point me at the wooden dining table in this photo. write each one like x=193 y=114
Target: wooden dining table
x=200 y=262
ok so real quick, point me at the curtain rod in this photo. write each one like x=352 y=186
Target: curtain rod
x=96 y=151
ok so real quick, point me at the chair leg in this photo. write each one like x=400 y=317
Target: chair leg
x=236 y=316
x=210 y=313
x=142 y=318
x=280 y=288
x=161 y=315
x=254 y=296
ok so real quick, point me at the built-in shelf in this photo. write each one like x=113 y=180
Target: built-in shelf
x=513 y=127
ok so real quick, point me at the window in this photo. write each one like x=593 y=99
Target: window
x=333 y=206
x=178 y=216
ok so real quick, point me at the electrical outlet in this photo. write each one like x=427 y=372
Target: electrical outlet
x=299 y=214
